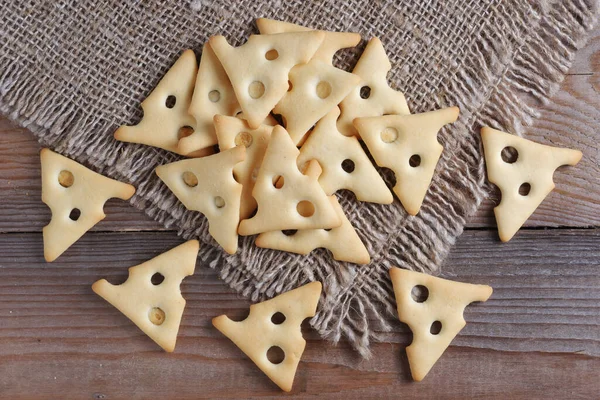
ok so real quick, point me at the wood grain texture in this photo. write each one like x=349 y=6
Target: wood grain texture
x=546 y=299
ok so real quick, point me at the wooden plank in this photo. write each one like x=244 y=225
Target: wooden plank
x=57 y=336
x=587 y=59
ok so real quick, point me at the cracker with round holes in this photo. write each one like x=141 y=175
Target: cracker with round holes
x=332 y=42
x=298 y=202
x=155 y=307
x=408 y=145
x=207 y=185
x=373 y=96
x=316 y=88
x=213 y=95
x=524 y=182
x=263 y=330
x=258 y=70
x=166 y=116
x=435 y=318
x=344 y=162
x=343 y=242
x=76 y=197
x=231 y=132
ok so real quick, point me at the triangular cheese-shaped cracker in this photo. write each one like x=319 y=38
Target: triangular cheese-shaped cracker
x=524 y=182
x=373 y=96
x=151 y=296
x=344 y=162
x=408 y=145
x=207 y=185
x=258 y=70
x=316 y=88
x=264 y=329
x=435 y=317
x=332 y=42
x=213 y=95
x=343 y=242
x=231 y=132
x=166 y=117
x=76 y=197
x=299 y=203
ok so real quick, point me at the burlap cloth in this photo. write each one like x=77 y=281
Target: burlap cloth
x=73 y=71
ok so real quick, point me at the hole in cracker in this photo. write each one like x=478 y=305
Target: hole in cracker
x=75 y=214
x=256 y=89
x=272 y=55
x=275 y=355
x=524 y=189
x=278 y=318
x=348 y=165
x=509 y=154
x=365 y=92
x=289 y=232
x=436 y=328
x=323 y=89
x=305 y=208
x=170 y=101
x=389 y=135
x=414 y=160
x=419 y=293
x=157 y=279
x=214 y=96
x=189 y=178
x=278 y=181
x=327 y=230
x=185 y=131
x=156 y=316
x=243 y=139
x=66 y=178
x=219 y=202
x=290 y=86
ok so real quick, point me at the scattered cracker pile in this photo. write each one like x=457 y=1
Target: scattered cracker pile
x=271 y=130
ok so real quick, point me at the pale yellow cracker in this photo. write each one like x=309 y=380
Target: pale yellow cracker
x=151 y=296
x=166 y=118
x=207 y=185
x=299 y=203
x=344 y=162
x=213 y=95
x=332 y=42
x=408 y=145
x=258 y=70
x=524 y=182
x=435 y=317
x=343 y=242
x=316 y=88
x=76 y=197
x=377 y=97
x=264 y=329
x=231 y=132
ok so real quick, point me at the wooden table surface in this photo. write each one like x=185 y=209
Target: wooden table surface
x=538 y=336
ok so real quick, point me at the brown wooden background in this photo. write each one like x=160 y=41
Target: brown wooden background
x=538 y=336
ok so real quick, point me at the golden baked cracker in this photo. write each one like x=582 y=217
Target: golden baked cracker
x=299 y=203
x=407 y=144
x=373 y=96
x=332 y=42
x=344 y=162
x=76 y=197
x=207 y=185
x=524 y=182
x=258 y=70
x=213 y=95
x=435 y=317
x=343 y=242
x=166 y=118
x=231 y=132
x=154 y=305
x=264 y=329
x=316 y=88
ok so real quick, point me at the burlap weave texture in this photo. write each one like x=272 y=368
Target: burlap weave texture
x=73 y=71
